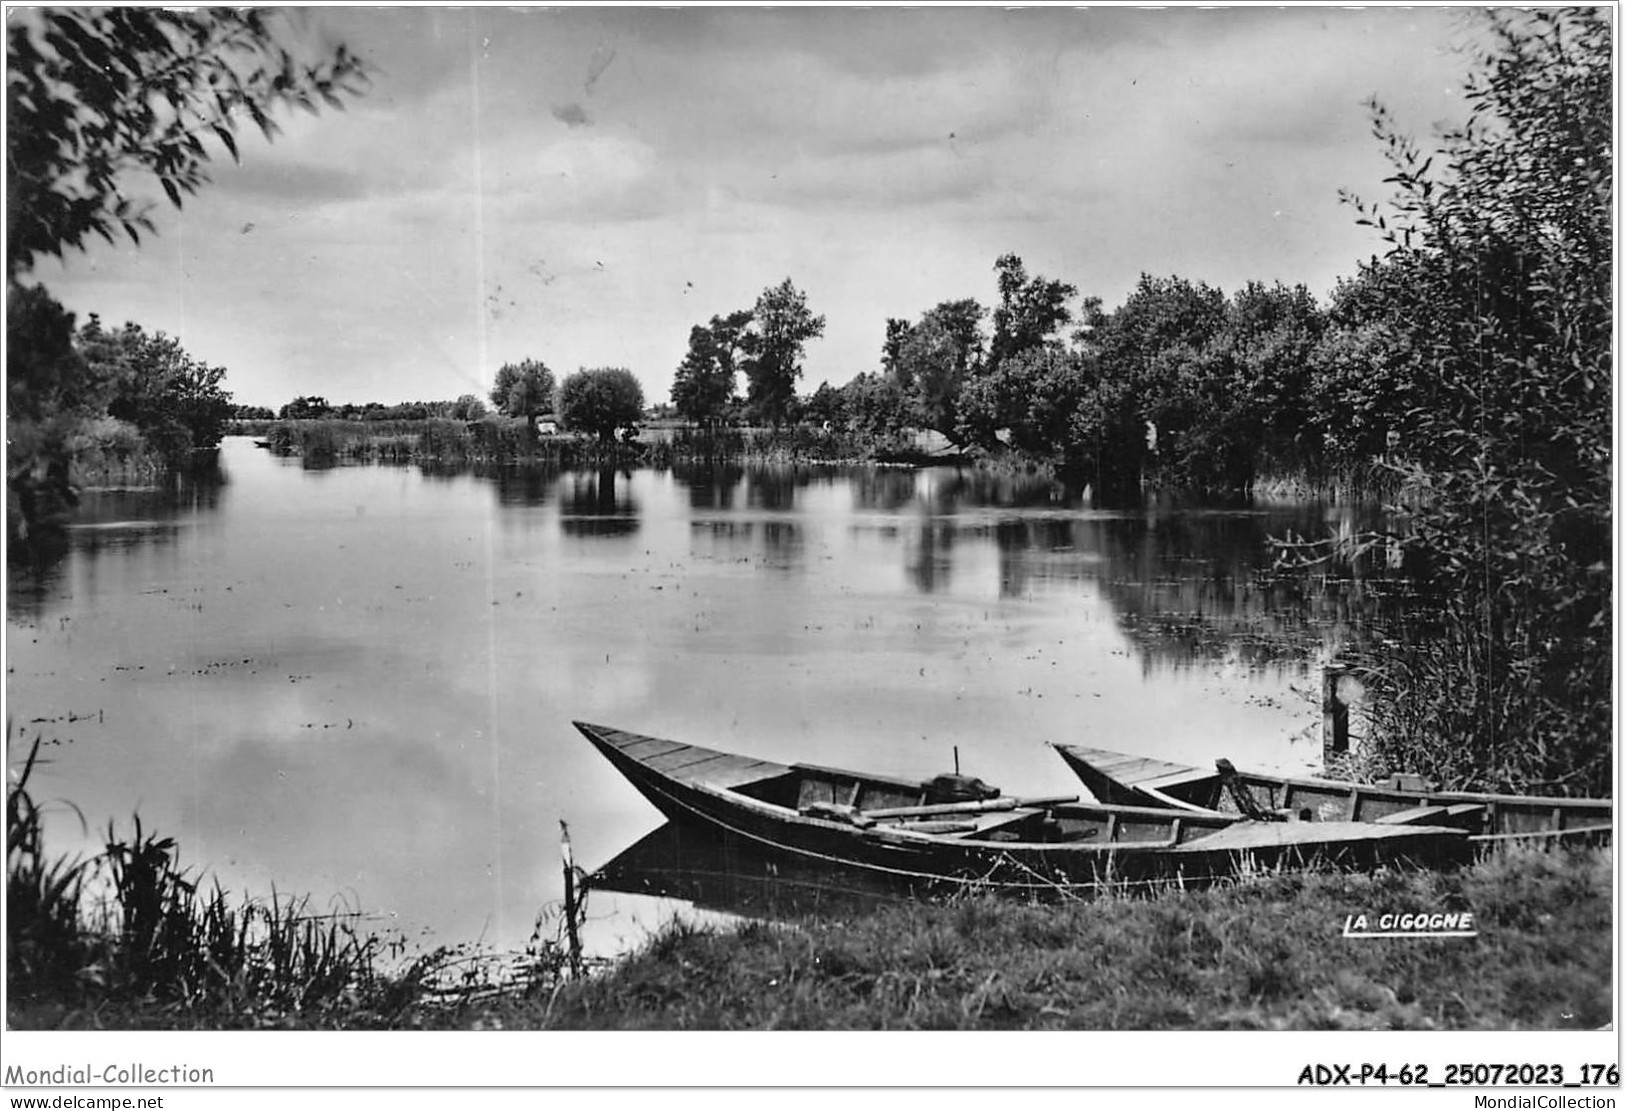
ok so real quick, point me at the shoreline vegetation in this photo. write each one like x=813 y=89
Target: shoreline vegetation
x=131 y=939
x=507 y=441
x=501 y=441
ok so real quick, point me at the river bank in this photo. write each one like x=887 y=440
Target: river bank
x=1265 y=953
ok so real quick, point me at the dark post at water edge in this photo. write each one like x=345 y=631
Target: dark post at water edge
x=1334 y=729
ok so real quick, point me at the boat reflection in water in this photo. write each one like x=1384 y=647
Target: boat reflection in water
x=716 y=871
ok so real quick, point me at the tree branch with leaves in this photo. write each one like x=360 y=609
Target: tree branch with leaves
x=97 y=97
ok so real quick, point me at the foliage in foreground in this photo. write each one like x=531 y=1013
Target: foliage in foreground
x=1264 y=953
x=1497 y=288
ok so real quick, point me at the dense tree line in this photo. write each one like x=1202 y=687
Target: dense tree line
x=1179 y=386
x=466 y=407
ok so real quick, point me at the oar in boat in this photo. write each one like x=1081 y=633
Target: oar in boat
x=969 y=806
x=837 y=812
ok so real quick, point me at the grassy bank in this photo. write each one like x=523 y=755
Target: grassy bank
x=1260 y=954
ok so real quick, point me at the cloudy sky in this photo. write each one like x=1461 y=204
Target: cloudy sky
x=582 y=185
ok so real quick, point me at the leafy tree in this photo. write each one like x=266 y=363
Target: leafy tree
x=891 y=348
x=783 y=325
x=930 y=372
x=1271 y=332
x=602 y=400
x=1030 y=396
x=467 y=407
x=1030 y=310
x=1360 y=370
x=931 y=361
x=1506 y=310
x=1154 y=348
x=874 y=404
x=827 y=405
x=252 y=412
x=524 y=389
x=175 y=401
x=305 y=408
x=50 y=392
x=46 y=377
x=1160 y=314
x=704 y=386
x=98 y=96
x=1238 y=402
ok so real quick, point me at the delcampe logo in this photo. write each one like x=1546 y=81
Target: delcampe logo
x=1436 y=924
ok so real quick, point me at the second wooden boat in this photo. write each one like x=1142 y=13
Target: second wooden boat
x=907 y=831
x=1113 y=777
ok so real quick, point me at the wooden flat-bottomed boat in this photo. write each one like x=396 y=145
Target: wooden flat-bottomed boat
x=1113 y=777
x=904 y=831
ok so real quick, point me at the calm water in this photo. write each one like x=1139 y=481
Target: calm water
x=358 y=682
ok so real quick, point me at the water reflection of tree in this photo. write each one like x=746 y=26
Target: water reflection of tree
x=439 y=470
x=928 y=553
x=778 y=545
x=1196 y=586
x=774 y=487
x=597 y=504
x=710 y=485
x=107 y=522
x=783 y=545
x=319 y=466
x=883 y=488
x=1006 y=491
x=524 y=486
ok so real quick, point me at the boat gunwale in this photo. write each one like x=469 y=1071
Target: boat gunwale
x=1562 y=808
x=1375 y=790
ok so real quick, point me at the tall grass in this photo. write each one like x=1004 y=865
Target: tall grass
x=46 y=949
x=111 y=452
x=1359 y=481
x=130 y=928
x=491 y=440
x=795 y=443
x=1469 y=706
x=502 y=440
